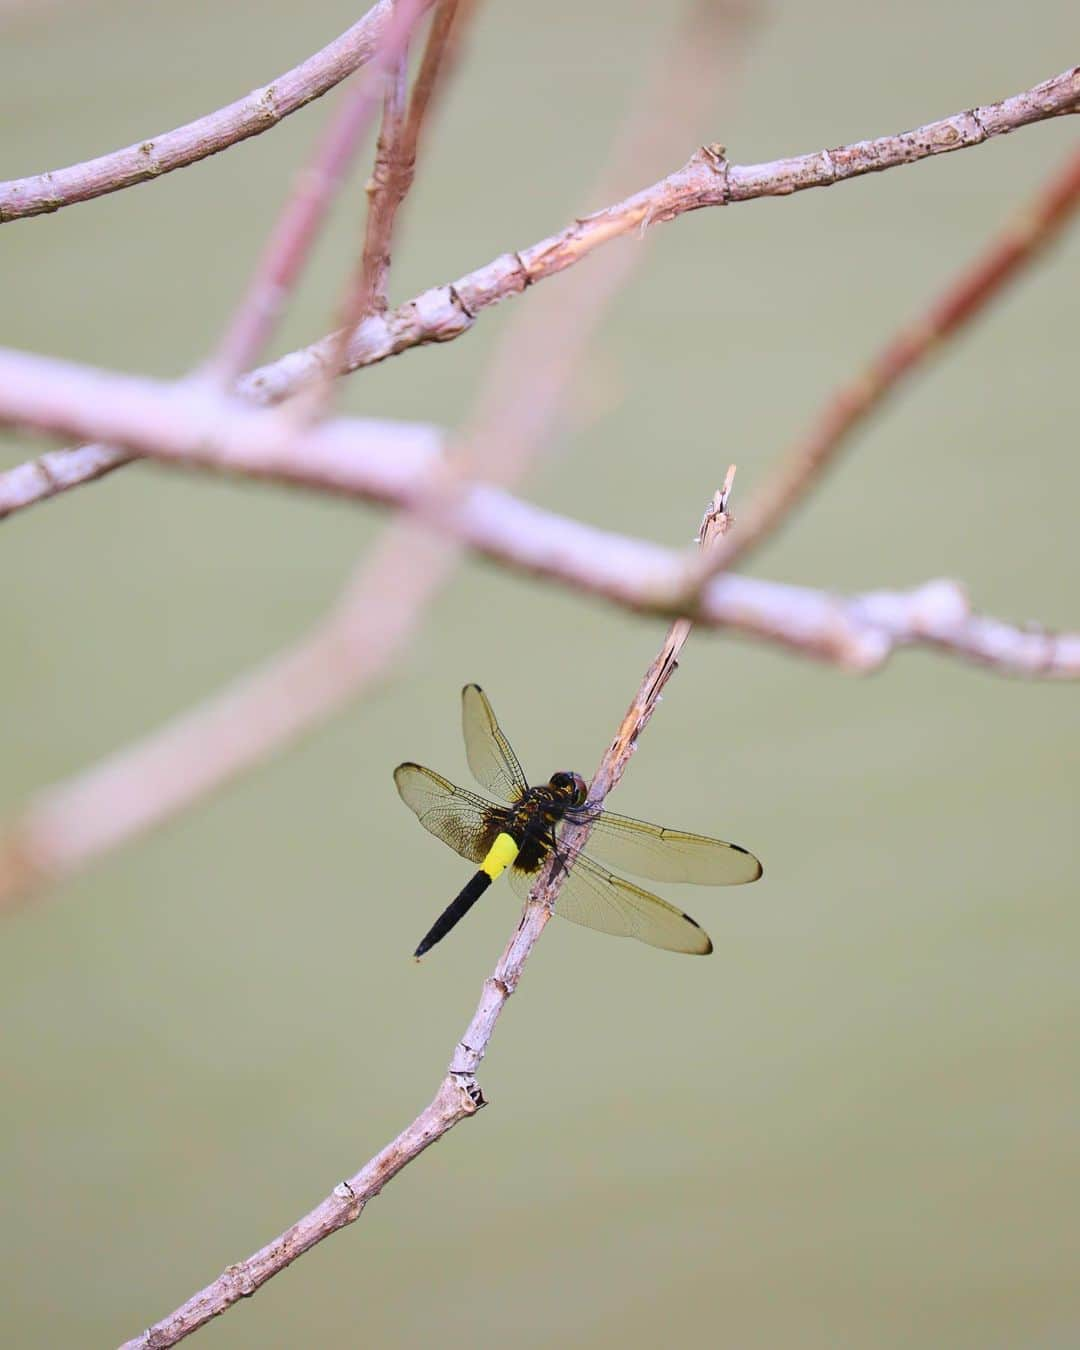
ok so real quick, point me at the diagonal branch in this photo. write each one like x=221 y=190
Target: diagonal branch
x=444 y=313
x=257 y=112
x=1002 y=261
x=459 y=1095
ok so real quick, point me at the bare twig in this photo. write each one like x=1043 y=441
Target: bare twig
x=316 y=185
x=1004 y=259
x=383 y=189
x=391 y=179
x=459 y=1094
x=255 y=113
x=395 y=160
x=444 y=313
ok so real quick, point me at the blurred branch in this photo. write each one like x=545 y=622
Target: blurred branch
x=257 y=112
x=459 y=1094
x=316 y=185
x=444 y=313
x=1006 y=256
x=357 y=643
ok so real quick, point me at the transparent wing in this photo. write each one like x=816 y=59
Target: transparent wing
x=596 y=899
x=491 y=759
x=459 y=818
x=669 y=855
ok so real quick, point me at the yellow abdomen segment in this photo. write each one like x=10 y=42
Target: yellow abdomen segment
x=501 y=854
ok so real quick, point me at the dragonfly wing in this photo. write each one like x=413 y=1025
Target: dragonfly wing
x=491 y=758
x=459 y=818
x=669 y=855
x=597 y=899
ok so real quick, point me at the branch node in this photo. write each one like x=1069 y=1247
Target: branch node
x=266 y=102
x=152 y=166
x=464 y=1080
x=238 y=1278
x=973 y=113
x=455 y=296
x=352 y=1203
x=714 y=155
x=526 y=277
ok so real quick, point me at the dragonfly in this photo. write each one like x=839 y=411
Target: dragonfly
x=520 y=832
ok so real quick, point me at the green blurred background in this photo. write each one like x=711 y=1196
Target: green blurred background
x=855 y=1124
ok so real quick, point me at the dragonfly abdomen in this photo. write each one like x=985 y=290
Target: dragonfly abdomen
x=500 y=856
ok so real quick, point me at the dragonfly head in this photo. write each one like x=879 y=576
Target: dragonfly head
x=571 y=787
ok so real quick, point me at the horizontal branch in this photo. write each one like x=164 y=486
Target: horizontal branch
x=148 y=159
x=390 y=463
x=446 y=312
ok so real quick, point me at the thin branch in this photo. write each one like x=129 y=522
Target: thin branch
x=445 y=312
x=385 y=190
x=459 y=1094
x=982 y=281
x=148 y=159
x=316 y=185
x=399 y=141
x=391 y=179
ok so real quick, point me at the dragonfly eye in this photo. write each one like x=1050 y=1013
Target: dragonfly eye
x=571 y=785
